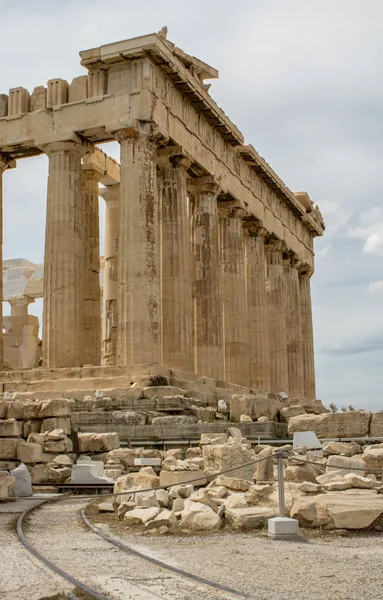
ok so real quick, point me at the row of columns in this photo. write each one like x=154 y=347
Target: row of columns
x=187 y=284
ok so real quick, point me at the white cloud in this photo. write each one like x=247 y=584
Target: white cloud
x=370 y=229
x=375 y=286
x=323 y=253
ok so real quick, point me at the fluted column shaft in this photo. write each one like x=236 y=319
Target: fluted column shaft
x=234 y=295
x=92 y=299
x=111 y=195
x=5 y=163
x=138 y=337
x=293 y=327
x=208 y=342
x=307 y=345
x=257 y=308
x=277 y=318
x=63 y=318
x=176 y=288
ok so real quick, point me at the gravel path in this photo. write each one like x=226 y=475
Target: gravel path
x=332 y=567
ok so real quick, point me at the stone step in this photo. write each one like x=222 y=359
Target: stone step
x=157 y=432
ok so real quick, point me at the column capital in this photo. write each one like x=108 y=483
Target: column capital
x=232 y=212
x=54 y=147
x=6 y=162
x=94 y=163
x=172 y=156
x=137 y=131
x=202 y=185
x=254 y=228
x=305 y=270
x=292 y=260
x=111 y=194
x=276 y=246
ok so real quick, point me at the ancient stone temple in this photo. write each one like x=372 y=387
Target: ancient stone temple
x=208 y=255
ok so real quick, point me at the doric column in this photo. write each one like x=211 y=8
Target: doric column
x=111 y=195
x=257 y=307
x=234 y=295
x=5 y=163
x=21 y=345
x=63 y=319
x=138 y=337
x=176 y=288
x=293 y=327
x=208 y=343
x=277 y=318
x=91 y=176
x=307 y=345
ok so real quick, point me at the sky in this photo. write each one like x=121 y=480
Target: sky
x=302 y=80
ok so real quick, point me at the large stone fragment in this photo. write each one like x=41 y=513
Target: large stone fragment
x=345 y=448
x=302 y=472
x=291 y=411
x=23 y=481
x=59 y=446
x=8 y=448
x=253 y=517
x=225 y=456
x=199 y=517
x=313 y=407
x=31 y=410
x=140 y=516
x=165 y=518
x=373 y=457
x=31 y=427
x=348 y=510
x=232 y=483
x=376 y=426
x=145 y=479
x=57 y=407
x=15 y=410
x=257 y=493
x=211 y=438
x=346 y=464
x=174 y=420
x=169 y=478
x=124 y=455
x=128 y=417
x=10 y=428
x=357 y=481
x=246 y=404
x=236 y=500
x=161 y=391
x=56 y=423
x=7 y=484
x=40 y=474
x=333 y=425
x=29 y=453
x=264 y=468
x=4 y=405
x=98 y=442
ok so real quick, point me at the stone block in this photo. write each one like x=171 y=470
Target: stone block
x=53 y=423
x=333 y=425
x=78 y=89
x=373 y=456
x=36 y=438
x=199 y=517
x=282 y=526
x=158 y=392
x=40 y=474
x=128 y=417
x=253 y=406
x=31 y=410
x=10 y=428
x=8 y=448
x=213 y=438
x=57 y=407
x=345 y=448
x=39 y=98
x=88 y=472
x=15 y=410
x=376 y=426
x=225 y=456
x=232 y=483
x=4 y=405
x=29 y=453
x=169 y=478
x=124 y=455
x=264 y=470
x=98 y=442
x=140 y=516
x=18 y=101
x=57 y=93
x=147 y=462
x=3 y=106
x=31 y=427
x=59 y=446
x=347 y=465
x=245 y=519
x=7 y=485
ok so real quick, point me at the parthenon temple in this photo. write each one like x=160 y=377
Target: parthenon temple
x=208 y=255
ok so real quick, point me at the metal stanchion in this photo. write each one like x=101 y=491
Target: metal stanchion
x=281 y=483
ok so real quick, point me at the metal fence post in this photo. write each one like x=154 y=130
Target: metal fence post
x=281 y=483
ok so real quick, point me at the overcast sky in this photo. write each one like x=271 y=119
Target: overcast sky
x=302 y=79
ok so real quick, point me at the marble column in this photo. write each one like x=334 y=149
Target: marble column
x=257 y=307
x=5 y=163
x=138 y=337
x=307 y=345
x=277 y=318
x=234 y=295
x=176 y=287
x=63 y=318
x=90 y=177
x=21 y=341
x=293 y=327
x=111 y=195
x=208 y=339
